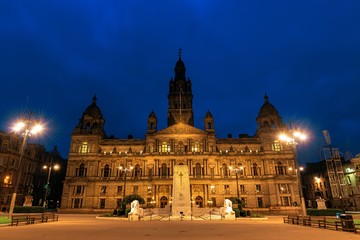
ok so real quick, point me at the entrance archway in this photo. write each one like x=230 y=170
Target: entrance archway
x=163 y=202
x=199 y=201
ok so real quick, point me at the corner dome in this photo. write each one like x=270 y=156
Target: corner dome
x=267 y=108
x=93 y=110
x=208 y=114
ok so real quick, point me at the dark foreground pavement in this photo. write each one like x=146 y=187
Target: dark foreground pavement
x=71 y=226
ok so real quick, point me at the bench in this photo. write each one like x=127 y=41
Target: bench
x=293 y=219
x=304 y=220
x=15 y=219
x=35 y=217
x=315 y=220
x=333 y=224
x=50 y=216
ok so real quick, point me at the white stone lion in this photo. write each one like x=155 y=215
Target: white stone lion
x=134 y=208
x=228 y=207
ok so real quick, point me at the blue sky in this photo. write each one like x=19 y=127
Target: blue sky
x=305 y=55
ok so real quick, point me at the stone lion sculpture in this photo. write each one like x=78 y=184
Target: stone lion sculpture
x=228 y=207
x=134 y=208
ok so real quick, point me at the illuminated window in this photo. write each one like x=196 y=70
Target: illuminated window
x=164 y=147
x=84 y=148
x=195 y=147
x=284 y=188
x=212 y=188
x=276 y=146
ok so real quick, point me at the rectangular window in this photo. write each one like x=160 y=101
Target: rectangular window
x=258 y=188
x=285 y=201
x=149 y=189
x=77 y=203
x=276 y=146
x=103 y=190
x=242 y=188
x=260 y=202
x=212 y=190
x=284 y=188
x=79 y=190
x=119 y=189
x=227 y=189
x=102 y=203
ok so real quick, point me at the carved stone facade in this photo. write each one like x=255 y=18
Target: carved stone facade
x=94 y=179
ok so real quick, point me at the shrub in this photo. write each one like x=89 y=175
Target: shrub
x=127 y=212
x=322 y=212
x=34 y=209
x=121 y=212
x=243 y=213
x=237 y=212
x=248 y=213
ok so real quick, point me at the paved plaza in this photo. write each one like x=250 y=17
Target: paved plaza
x=84 y=226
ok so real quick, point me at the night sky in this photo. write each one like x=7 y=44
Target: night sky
x=305 y=55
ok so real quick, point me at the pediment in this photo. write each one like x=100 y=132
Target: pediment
x=181 y=128
x=79 y=179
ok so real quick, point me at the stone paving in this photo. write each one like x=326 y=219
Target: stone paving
x=89 y=227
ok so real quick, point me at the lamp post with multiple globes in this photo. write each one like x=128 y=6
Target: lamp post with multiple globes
x=292 y=138
x=49 y=168
x=237 y=171
x=125 y=170
x=26 y=127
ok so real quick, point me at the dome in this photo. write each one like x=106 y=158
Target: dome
x=267 y=108
x=152 y=115
x=208 y=114
x=93 y=110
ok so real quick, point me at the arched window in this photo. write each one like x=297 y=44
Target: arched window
x=137 y=172
x=106 y=171
x=280 y=169
x=209 y=125
x=82 y=170
x=225 y=170
x=164 y=170
x=197 y=170
x=256 y=170
x=84 y=148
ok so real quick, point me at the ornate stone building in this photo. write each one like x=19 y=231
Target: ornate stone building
x=33 y=177
x=254 y=168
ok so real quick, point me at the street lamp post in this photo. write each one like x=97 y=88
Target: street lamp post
x=125 y=170
x=237 y=171
x=293 y=140
x=27 y=128
x=49 y=167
